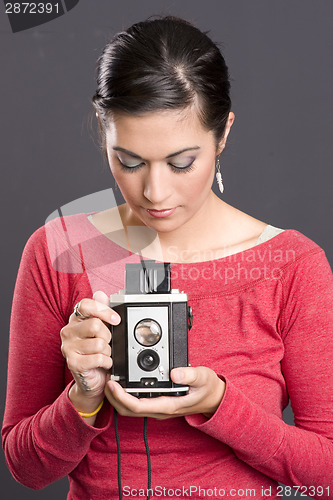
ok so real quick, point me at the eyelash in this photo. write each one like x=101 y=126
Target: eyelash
x=177 y=170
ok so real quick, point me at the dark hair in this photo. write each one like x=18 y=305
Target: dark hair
x=163 y=64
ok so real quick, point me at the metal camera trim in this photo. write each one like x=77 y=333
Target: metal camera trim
x=160 y=314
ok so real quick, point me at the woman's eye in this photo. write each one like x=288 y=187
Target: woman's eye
x=129 y=166
x=181 y=167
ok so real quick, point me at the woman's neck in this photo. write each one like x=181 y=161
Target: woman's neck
x=216 y=231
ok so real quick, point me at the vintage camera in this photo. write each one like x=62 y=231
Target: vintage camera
x=151 y=338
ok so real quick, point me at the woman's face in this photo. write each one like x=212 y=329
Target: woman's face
x=164 y=164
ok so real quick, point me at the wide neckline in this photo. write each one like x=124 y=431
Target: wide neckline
x=241 y=255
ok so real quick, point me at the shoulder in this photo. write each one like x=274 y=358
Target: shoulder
x=304 y=260
x=307 y=287
x=63 y=230
x=57 y=242
x=287 y=255
x=295 y=245
x=77 y=226
x=62 y=226
x=299 y=241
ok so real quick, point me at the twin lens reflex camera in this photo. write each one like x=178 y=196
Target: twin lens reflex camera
x=152 y=337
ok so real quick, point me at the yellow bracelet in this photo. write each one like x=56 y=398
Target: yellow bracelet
x=86 y=415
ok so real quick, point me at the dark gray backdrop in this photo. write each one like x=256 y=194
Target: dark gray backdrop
x=277 y=166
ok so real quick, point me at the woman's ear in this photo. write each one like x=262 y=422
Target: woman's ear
x=222 y=143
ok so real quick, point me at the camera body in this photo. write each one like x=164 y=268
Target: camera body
x=152 y=337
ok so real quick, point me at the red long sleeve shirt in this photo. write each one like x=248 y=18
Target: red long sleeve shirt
x=262 y=321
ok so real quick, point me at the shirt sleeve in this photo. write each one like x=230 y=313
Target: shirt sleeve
x=300 y=455
x=44 y=438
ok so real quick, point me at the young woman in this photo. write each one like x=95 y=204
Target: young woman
x=261 y=297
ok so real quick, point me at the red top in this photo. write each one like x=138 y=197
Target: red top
x=262 y=321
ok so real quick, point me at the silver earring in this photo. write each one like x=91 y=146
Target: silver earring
x=219 y=176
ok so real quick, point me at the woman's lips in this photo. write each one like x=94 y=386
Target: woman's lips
x=161 y=213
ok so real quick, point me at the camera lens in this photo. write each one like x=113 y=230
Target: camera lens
x=147 y=332
x=148 y=360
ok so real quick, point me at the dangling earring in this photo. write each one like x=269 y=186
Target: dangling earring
x=219 y=175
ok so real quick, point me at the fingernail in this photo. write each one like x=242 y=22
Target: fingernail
x=178 y=375
x=115 y=319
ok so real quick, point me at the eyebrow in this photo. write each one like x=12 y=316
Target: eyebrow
x=116 y=148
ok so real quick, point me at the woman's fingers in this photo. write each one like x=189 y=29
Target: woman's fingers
x=101 y=297
x=205 y=394
x=86 y=344
x=93 y=346
x=91 y=328
x=80 y=363
x=90 y=308
x=127 y=405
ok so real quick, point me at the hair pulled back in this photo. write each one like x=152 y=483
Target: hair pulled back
x=163 y=64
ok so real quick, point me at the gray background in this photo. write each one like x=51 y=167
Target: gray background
x=277 y=166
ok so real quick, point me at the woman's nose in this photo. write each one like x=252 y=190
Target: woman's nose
x=157 y=187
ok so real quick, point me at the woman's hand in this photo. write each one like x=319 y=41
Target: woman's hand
x=205 y=394
x=86 y=348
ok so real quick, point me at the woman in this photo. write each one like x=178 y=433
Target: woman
x=261 y=298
